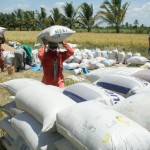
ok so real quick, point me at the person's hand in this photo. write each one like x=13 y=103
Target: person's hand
x=62 y=42
x=44 y=40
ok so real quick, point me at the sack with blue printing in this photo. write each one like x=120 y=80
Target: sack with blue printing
x=121 y=84
x=93 y=126
x=81 y=92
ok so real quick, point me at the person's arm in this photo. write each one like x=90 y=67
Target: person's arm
x=69 y=52
x=41 y=52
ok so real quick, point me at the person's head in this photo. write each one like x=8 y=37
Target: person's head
x=52 y=45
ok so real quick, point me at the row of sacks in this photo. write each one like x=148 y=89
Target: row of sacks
x=135 y=106
x=85 y=58
x=94 y=59
x=137 y=72
x=59 y=122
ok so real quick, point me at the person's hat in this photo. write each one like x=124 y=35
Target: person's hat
x=52 y=45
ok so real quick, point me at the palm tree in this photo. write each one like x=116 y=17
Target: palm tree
x=19 y=18
x=113 y=12
x=86 y=16
x=12 y=21
x=3 y=20
x=27 y=20
x=70 y=15
x=42 y=18
x=55 y=17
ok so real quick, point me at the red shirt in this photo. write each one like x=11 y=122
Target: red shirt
x=52 y=62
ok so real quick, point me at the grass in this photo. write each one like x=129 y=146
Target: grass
x=123 y=42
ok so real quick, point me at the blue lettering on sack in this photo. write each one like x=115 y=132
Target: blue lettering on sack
x=115 y=97
x=74 y=97
x=145 y=83
x=113 y=87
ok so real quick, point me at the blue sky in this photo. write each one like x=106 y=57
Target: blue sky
x=138 y=9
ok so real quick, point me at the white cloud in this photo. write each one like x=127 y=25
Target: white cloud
x=54 y=5
x=141 y=13
x=15 y=7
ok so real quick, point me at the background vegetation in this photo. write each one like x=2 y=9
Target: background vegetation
x=123 y=42
x=83 y=18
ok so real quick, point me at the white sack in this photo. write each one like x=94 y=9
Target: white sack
x=93 y=126
x=137 y=60
x=6 y=126
x=42 y=103
x=84 y=65
x=15 y=85
x=77 y=58
x=143 y=74
x=113 y=54
x=128 y=55
x=2 y=30
x=12 y=140
x=109 y=62
x=99 y=65
x=136 y=107
x=96 y=74
x=30 y=130
x=90 y=55
x=81 y=92
x=9 y=58
x=72 y=65
x=104 y=54
x=141 y=90
x=97 y=53
x=55 y=33
x=121 y=84
x=121 y=57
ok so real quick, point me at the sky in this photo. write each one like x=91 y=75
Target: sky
x=138 y=9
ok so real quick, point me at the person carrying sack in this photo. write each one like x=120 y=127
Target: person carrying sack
x=52 y=62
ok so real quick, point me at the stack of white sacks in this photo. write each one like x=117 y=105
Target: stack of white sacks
x=90 y=59
x=94 y=59
x=82 y=116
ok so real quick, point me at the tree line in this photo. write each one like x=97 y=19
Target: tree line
x=83 y=17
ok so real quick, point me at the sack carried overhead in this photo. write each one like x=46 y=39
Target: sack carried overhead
x=55 y=33
x=2 y=30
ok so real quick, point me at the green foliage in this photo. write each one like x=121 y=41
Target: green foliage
x=113 y=12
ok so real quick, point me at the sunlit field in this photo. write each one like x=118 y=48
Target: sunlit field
x=127 y=42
